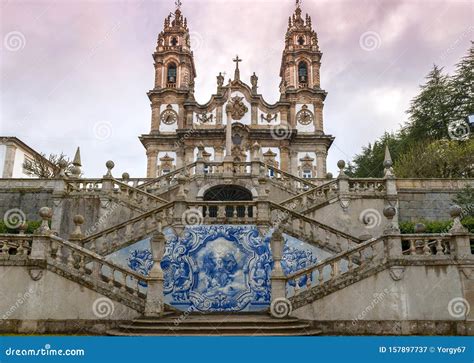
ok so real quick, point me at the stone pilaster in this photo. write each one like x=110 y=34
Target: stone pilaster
x=321 y=164
x=154 y=305
x=152 y=162
x=9 y=160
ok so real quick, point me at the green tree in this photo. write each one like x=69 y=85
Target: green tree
x=438 y=159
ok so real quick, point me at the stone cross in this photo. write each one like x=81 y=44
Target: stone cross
x=237 y=71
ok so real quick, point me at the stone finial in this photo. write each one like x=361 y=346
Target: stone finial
x=76 y=162
x=420 y=228
x=125 y=177
x=387 y=163
x=62 y=168
x=200 y=151
x=109 y=165
x=329 y=176
x=77 y=233
x=46 y=214
x=455 y=211
x=23 y=227
x=389 y=212
x=341 y=164
x=220 y=81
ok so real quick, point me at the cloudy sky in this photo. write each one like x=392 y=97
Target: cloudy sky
x=76 y=72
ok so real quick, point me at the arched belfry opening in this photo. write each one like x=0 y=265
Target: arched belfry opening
x=228 y=193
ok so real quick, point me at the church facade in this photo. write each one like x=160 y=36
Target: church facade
x=288 y=134
x=237 y=229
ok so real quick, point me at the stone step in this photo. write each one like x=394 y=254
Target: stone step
x=215 y=324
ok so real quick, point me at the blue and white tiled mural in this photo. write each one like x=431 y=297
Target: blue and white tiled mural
x=219 y=267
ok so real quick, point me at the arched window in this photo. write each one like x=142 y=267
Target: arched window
x=302 y=72
x=172 y=73
x=225 y=193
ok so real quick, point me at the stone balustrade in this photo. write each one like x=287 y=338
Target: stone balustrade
x=15 y=246
x=426 y=244
x=84 y=185
x=312 y=197
x=225 y=212
x=369 y=186
x=138 y=196
x=133 y=230
x=310 y=230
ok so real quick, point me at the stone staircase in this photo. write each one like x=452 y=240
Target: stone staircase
x=233 y=324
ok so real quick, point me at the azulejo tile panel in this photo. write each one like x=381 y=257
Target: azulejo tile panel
x=213 y=268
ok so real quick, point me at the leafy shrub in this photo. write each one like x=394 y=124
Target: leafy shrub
x=32 y=226
x=436 y=226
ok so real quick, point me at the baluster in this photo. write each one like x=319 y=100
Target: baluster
x=123 y=281
x=335 y=269
x=136 y=287
x=320 y=275
x=350 y=264
x=308 y=279
x=234 y=211
x=5 y=248
x=112 y=277
x=59 y=253
x=426 y=247
x=439 y=247
x=70 y=259
x=96 y=270
x=82 y=264
x=412 y=247
x=20 y=250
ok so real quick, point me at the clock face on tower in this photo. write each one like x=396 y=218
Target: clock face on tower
x=169 y=116
x=304 y=116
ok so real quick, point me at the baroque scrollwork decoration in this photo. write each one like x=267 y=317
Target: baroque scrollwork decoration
x=236 y=108
x=269 y=117
x=204 y=118
x=304 y=116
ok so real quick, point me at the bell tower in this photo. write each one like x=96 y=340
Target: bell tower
x=174 y=63
x=301 y=57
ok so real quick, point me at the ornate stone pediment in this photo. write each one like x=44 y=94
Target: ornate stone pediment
x=236 y=108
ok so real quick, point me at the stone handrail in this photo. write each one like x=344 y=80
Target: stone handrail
x=309 y=197
x=133 y=230
x=137 y=195
x=83 y=185
x=310 y=230
x=94 y=271
x=223 y=212
x=168 y=178
x=373 y=253
x=341 y=263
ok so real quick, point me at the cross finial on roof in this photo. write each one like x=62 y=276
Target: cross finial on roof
x=237 y=71
x=298 y=3
x=178 y=4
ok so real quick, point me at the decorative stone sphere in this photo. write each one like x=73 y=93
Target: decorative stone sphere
x=329 y=176
x=125 y=176
x=46 y=213
x=109 y=164
x=75 y=170
x=389 y=212
x=23 y=226
x=420 y=228
x=387 y=164
x=341 y=164
x=62 y=163
x=455 y=211
x=78 y=219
